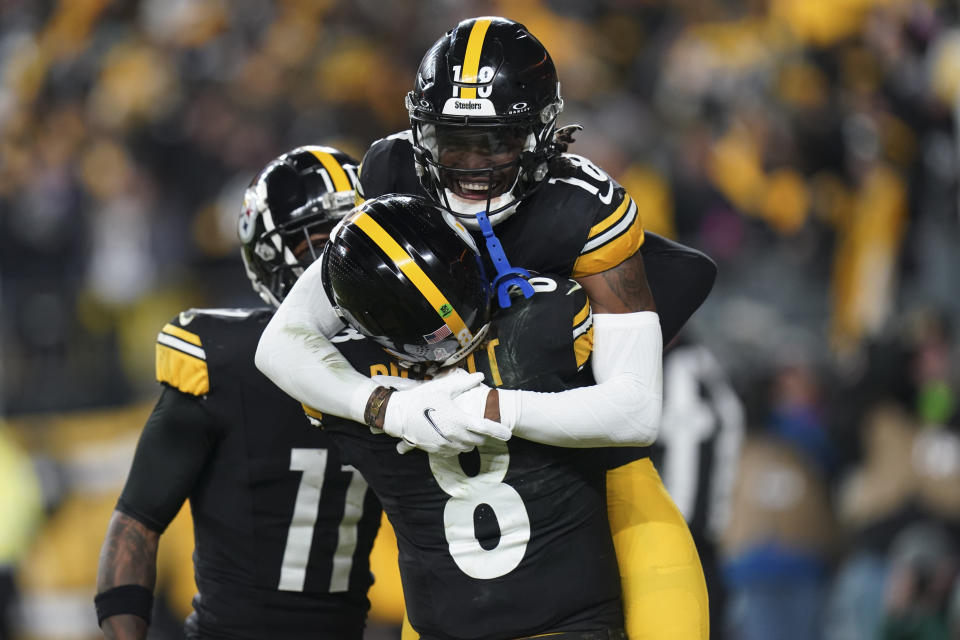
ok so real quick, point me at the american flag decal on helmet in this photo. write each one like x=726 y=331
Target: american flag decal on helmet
x=438 y=335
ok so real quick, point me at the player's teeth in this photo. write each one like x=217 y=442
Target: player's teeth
x=473 y=186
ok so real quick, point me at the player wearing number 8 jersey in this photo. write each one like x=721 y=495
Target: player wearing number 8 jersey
x=283 y=528
x=556 y=212
x=511 y=539
x=483 y=145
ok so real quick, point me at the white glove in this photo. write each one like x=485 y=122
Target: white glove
x=473 y=401
x=425 y=417
x=396 y=382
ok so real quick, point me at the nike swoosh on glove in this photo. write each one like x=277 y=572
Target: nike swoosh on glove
x=426 y=417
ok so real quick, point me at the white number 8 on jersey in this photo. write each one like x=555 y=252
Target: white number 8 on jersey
x=469 y=492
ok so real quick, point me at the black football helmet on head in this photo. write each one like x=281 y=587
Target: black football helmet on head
x=402 y=271
x=483 y=115
x=288 y=211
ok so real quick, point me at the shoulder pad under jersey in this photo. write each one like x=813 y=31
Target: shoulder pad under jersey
x=556 y=316
x=184 y=344
x=388 y=167
x=616 y=229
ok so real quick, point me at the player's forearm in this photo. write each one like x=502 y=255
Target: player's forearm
x=125 y=627
x=128 y=557
x=296 y=354
x=129 y=554
x=622 y=409
x=620 y=412
x=308 y=367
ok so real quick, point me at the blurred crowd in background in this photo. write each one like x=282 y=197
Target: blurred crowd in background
x=809 y=146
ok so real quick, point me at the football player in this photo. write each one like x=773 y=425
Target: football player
x=483 y=144
x=283 y=528
x=510 y=540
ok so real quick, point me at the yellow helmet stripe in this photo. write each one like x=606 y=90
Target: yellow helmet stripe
x=471 y=62
x=412 y=270
x=340 y=180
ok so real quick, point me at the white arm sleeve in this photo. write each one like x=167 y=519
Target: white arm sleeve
x=296 y=354
x=622 y=409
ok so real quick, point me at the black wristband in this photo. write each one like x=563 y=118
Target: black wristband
x=132 y=599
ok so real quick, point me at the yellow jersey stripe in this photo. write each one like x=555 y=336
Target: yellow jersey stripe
x=583 y=335
x=583 y=347
x=182 y=371
x=340 y=180
x=471 y=61
x=313 y=413
x=415 y=274
x=612 y=245
x=605 y=224
x=609 y=255
x=183 y=334
x=582 y=314
x=494 y=367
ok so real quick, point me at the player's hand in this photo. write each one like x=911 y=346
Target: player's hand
x=473 y=401
x=396 y=382
x=425 y=417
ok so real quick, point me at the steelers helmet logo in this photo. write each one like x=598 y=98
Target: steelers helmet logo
x=246 y=223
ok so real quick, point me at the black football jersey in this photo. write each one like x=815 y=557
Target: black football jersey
x=577 y=224
x=283 y=528
x=511 y=539
x=573 y=225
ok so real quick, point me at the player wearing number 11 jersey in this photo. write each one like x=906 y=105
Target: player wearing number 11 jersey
x=283 y=528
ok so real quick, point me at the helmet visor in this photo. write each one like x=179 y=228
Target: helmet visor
x=309 y=227
x=477 y=163
x=307 y=242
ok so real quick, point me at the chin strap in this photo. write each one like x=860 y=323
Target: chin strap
x=507 y=276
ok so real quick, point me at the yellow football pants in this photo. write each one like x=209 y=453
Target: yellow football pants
x=664 y=591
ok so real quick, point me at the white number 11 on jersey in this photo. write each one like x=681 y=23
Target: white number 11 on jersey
x=296 y=553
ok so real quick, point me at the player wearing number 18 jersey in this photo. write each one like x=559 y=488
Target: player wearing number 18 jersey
x=483 y=114
x=495 y=149
x=576 y=225
x=283 y=528
x=511 y=539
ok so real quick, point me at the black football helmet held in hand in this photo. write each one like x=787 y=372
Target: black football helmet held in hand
x=406 y=273
x=483 y=114
x=288 y=211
